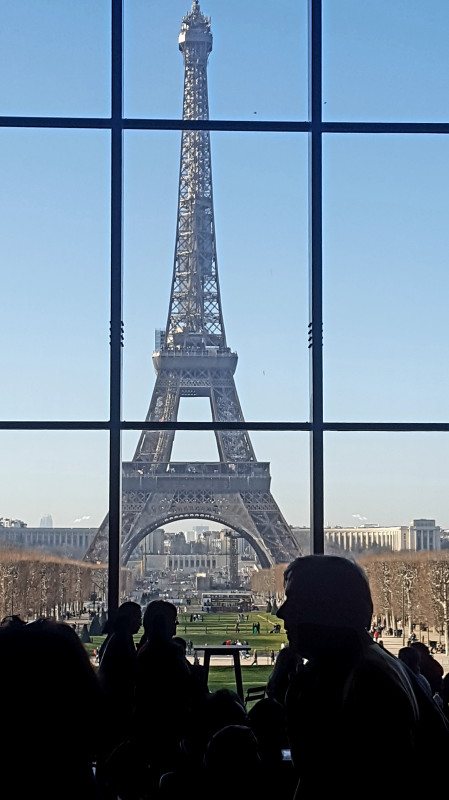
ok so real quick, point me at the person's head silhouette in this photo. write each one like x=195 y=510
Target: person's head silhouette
x=128 y=617
x=324 y=594
x=159 y=620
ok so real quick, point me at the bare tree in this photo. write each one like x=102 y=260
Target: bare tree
x=34 y=584
x=438 y=578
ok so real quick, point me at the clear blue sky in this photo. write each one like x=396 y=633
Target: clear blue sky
x=386 y=244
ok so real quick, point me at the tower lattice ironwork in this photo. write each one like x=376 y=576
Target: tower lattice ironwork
x=195 y=361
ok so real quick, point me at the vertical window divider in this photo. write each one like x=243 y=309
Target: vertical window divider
x=116 y=344
x=316 y=278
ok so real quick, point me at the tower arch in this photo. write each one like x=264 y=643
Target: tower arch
x=132 y=543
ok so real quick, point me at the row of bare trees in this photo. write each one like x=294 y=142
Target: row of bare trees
x=269 y=583
x=411 y=587
x=34 y=584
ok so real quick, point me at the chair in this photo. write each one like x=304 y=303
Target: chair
x=254 y=693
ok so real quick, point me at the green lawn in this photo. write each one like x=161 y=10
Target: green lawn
x=217 y=628
x=224 y=677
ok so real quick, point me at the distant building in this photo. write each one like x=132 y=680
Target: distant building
x=154 y=542
x=421 y=534
x=46 y=521
x=5 y=522
x=69 y=542
x=199 y=530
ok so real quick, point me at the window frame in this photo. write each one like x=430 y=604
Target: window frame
x=316 y=426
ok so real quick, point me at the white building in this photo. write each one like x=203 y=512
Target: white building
x=421 y=534
x=72 y=542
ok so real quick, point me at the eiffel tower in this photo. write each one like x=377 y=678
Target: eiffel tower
x=195 y=361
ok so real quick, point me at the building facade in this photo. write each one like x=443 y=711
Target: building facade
x=71 y=542
x=421 y=534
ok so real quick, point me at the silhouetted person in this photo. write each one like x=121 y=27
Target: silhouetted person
x=351 y=695
x=214 y=711
x=430 y=667
x=445 y=695
x=53 y=705
x=286 y=663
x=218 y=710
x=410 y=656
x=117 y=670
x=164 y=689
x=181 y=643
x=228 y=744
x=267 y=720
x=12 y=621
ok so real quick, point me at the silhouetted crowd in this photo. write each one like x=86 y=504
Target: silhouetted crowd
x=146 y=726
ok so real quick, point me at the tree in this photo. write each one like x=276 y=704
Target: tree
x=438 y=573
x=274 y=607
x=380 y=576
x=84 y=635
x=407 y=574
x=95 y=626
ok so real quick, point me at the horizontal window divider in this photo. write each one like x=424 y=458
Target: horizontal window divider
x=136 y=425
x=155 y=124
x=385 y=127
x=218 y=125
x=387 y=427
x=53 y=425
x=57 y=122
x=153 y=426
x=269 y=126
x=218 y=426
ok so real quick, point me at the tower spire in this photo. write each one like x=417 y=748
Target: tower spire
x=195 y=319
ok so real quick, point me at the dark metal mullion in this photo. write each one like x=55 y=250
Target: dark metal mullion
x=89 y=123
x=393 y=128
x=115 y=397
x=261 y=126
x=315 y=282
x=140 y=425
x=388 y=427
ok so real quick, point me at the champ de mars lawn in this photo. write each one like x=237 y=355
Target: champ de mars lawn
x=215 y=629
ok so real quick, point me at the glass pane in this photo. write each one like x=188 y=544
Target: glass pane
x=55 y=58
x=380 y=480
x=385 y=61
x=261 y=252
x=258 y=65
x=53 y=496
x=54 y=212
x=265 y=500
x=385 y=277
x=386 y=506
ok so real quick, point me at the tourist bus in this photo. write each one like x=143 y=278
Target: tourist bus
x=225 y=602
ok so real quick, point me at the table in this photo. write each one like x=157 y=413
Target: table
x=224 y=650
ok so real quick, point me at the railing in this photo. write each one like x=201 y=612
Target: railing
x=213 y=352
x=139 y=470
